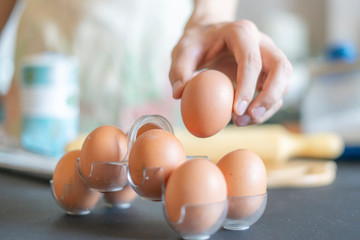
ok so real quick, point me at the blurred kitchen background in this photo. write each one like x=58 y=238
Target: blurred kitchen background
x=321 y=38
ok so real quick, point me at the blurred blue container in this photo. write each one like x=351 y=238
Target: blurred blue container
x=332 y=102
x=50 y=103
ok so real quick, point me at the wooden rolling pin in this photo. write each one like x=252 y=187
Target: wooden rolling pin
x=299 y=173
x=273 y=143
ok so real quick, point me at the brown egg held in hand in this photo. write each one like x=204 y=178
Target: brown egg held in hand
x=71 y=192
x=200 y=187
x=245 y=176
x=122 y=198
x=103 y=146
x=159 y=152
x=206 y=103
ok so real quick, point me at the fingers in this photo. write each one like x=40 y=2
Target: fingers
x=275 y=82
x=185 y=58
x=243 y=40
x=246 y=119
x=266 y=70
x=250 y=56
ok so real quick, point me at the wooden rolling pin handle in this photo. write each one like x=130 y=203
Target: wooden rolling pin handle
x=323 y=145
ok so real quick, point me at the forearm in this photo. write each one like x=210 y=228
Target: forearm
x=207 y=12
x=10 y=14
x=6 y=6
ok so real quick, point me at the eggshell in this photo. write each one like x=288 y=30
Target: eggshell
x=206 y=103
x=241 y=207
x=146 y=127
x=197 y=182
x=68 y=187
x=121 y=198
x=103 y=145
x=245 y=175
x=159 y=152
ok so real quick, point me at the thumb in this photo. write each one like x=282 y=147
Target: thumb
x=183 y=65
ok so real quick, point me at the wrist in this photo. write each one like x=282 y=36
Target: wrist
x=207 y=12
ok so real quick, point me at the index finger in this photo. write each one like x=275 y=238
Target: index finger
x=184 y=63
x=243 y=40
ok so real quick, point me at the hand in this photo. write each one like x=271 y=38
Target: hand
x=259 y=70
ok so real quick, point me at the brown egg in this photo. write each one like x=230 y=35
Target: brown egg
x=198 y=183
x=122 y=198
x=206 y=103
x=71 y=192
x=103 y=145
x=154 y=149
x=241 y=207
x=245 y=176
x=146 y=127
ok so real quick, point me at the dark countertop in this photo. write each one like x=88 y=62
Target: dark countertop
x=28 y=211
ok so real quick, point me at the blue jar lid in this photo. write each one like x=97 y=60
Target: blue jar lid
x=342 y=51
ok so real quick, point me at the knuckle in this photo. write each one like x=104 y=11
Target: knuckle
x=214 y=27
x=285 y=65
x=270 y=99
x=175 y=72
x=181 y=46
x=253 y=60
x=244 y=26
